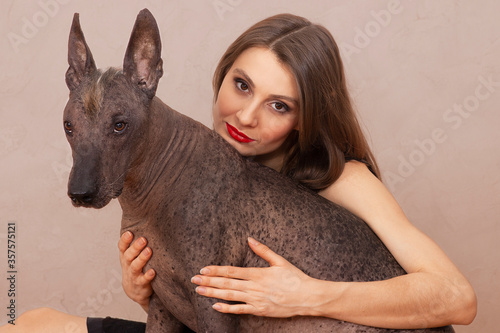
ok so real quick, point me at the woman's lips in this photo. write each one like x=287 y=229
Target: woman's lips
x=237 y=135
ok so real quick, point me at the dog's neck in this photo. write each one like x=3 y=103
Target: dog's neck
x=162 y=152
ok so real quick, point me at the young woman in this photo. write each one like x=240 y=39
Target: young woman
x=280 y=97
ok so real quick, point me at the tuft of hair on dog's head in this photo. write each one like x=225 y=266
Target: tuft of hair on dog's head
x=93 y=89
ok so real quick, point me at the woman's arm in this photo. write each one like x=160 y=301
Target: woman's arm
x=434 y=289
x=434 y=293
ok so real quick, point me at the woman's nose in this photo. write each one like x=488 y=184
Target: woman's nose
x=248 y=115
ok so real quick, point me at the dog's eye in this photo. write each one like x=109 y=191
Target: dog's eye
x=120 y=126
x=68 y=127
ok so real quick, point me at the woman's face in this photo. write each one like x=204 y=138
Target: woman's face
x=258 y=104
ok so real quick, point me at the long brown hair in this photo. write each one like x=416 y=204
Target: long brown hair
x=329 y=133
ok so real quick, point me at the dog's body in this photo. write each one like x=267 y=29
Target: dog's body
x=196 y=199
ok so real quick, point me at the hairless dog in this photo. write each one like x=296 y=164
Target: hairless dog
x=196 y=199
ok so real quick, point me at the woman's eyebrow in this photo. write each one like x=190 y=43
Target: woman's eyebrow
x=287 y=98
x=250 y=82
x=245 y=76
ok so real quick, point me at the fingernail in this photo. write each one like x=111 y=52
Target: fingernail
x=150 y=272
x=216 y=307
x=141 y=241
x=128 y=235
x=200 y=290
x=146 y=252
x=252 y=241
x=196 y=279
x=204 y=271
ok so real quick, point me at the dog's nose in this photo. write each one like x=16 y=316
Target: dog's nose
x=82 y=198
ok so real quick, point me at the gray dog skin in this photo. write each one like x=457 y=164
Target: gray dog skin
x=196 y=199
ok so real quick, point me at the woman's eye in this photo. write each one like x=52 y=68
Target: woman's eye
x=242 y=85
x=280 y=107
x=120 y=126
x=68 y=127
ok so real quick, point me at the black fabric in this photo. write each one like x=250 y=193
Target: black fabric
x=94 y=325
x=114 y=325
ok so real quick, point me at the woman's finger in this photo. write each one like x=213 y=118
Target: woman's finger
x=266 y=253
x=221 y=283
x=137 y=265
x=143 y=281
x=135 y=249
x=242 y=273
x=124 y=242
x=148 y=276
x=235 y=308
x=227 y=295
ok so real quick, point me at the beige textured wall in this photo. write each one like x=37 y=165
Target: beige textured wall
x=425 y=79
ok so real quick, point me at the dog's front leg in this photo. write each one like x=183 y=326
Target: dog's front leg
x=160 y=320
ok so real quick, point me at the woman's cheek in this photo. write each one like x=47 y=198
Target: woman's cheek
x=225 y=104
x=278 y=128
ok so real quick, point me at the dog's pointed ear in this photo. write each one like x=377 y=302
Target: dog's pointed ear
x=143 y=65
x=81 y=62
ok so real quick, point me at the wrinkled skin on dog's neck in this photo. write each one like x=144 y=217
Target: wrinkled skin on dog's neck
x=141 y=188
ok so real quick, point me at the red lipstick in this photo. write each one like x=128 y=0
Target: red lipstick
x=237 y=135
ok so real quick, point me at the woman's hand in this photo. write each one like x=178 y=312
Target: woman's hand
x=133 y=258
x=276 y=291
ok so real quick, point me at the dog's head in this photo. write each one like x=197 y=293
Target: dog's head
x=107 y=111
